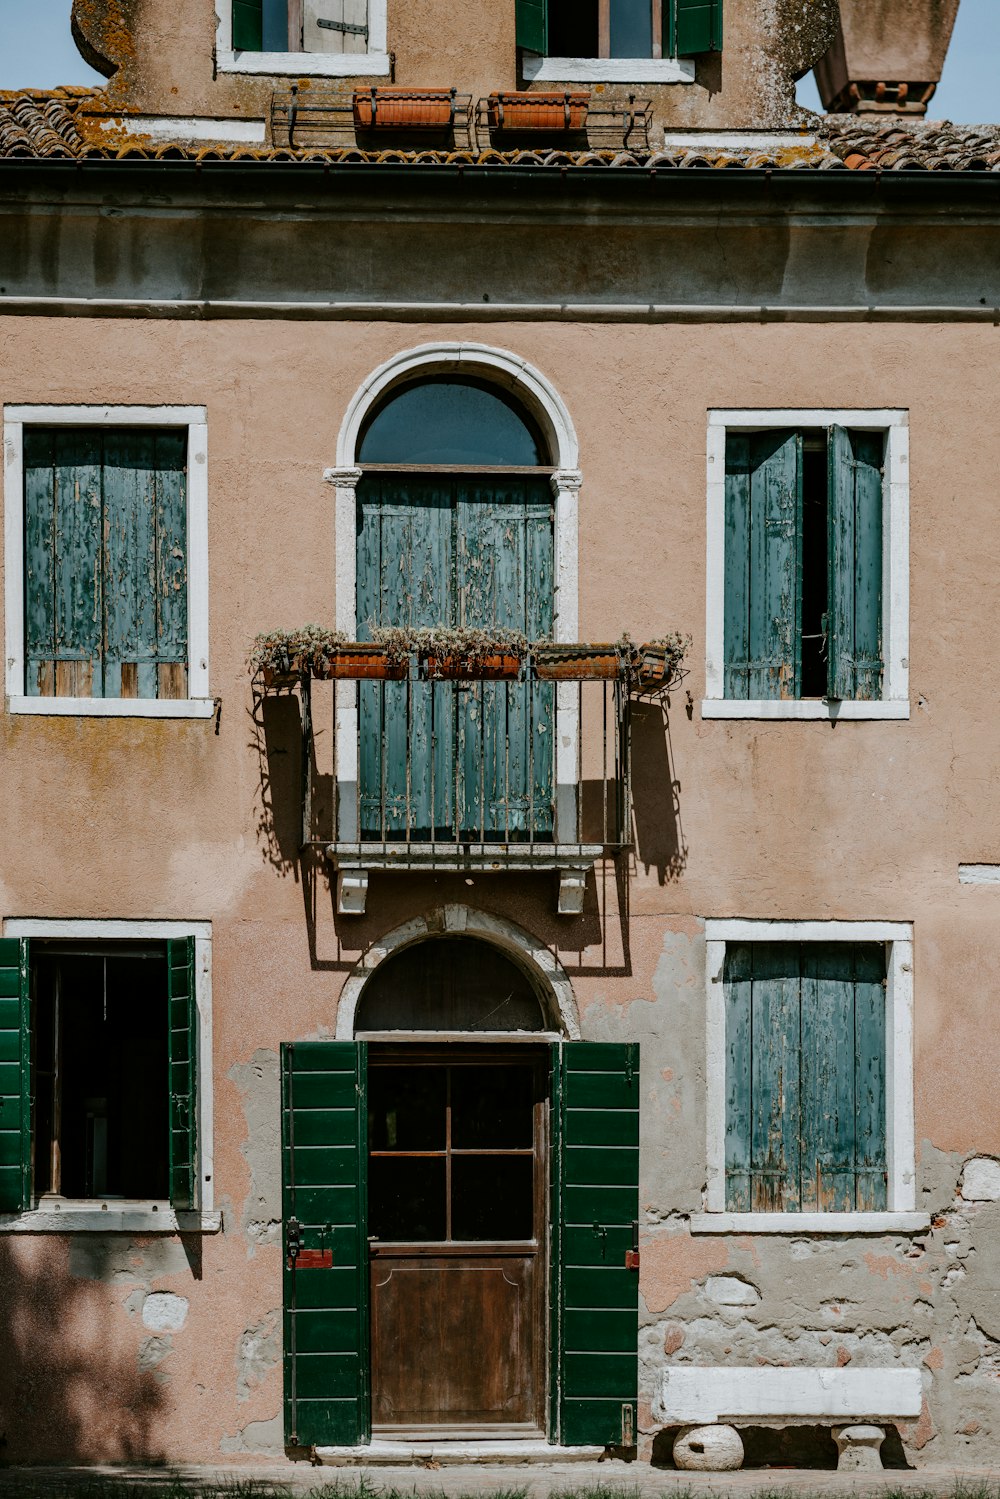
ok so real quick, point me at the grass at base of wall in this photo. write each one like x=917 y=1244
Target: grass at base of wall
x=164 y=1485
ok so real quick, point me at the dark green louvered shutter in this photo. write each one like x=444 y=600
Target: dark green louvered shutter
x=595 y=1213
x=854 y=631
x=15 y=1077
x=105 y=562
x=805 y=1077
x=763 y=522
x=248 y=25
x=694 y=26
x=183 y=1052
x=532 y=23
x=324 y=1127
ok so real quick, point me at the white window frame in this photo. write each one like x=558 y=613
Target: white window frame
x=371 y=64
x=114 y=1215
x=606 y=69
x=198 y=703
x=900 y=1214
x=895 y=703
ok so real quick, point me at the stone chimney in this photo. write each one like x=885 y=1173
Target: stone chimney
x=887 y=57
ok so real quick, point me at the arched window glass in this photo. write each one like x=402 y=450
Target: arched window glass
x=451 y=984
x=451 y=421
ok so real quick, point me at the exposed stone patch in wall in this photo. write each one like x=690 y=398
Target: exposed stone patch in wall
x=259 y=1085
x=152 y=1352
x=981 y=1180
x=261 y=1438
x=731 y=1290
x=258 y=1353
x=164 y=1312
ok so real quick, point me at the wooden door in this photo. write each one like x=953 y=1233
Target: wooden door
x=456 y=1217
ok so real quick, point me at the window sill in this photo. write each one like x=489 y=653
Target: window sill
x=113 y=707
x=793 y=1224
x=129 y=1218
x=813 y=708
x=607 y=69
x=307 y=64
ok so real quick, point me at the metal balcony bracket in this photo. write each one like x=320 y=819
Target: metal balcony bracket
x=572 y=888
x=352 y=891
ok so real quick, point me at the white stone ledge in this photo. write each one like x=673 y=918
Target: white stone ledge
x=443 y=1453
x=306 y=64
x=690 y=1396
x=114 y=707
x=798 y=708
x=116 y=1220
x=607 y=69
x=810 y=1223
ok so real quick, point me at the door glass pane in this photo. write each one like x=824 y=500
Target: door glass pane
x=631 y=28
x=407 y=1108
x=492 y=1197
x=406 y=1198
x=450 y=421
x=492 y=1108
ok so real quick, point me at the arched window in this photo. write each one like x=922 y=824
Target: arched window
x=449 y=984
x=455 y=529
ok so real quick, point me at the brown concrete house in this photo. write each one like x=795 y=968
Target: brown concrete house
x=501 y=837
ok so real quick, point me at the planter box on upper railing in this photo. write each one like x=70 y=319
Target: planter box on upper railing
x=387 y=108
x=553 y=113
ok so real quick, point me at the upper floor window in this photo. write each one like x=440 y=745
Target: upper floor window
x=807 y=564
x=106 y=561
x=626 y=40
x=339 y=37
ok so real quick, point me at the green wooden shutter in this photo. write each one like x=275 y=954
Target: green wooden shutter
x=763 y=527
x=595 y=1212
x=182 y=1062
x=324 y=1127
x=855 y=564
x=248 y=25
x=532 y=25
x=15 y=1077
x=805 y=1077
x=695 y=26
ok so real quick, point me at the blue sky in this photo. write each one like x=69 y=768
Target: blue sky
x=36 y=50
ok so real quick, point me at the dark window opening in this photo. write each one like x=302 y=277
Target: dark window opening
x=446 y=420
x=604 y=28
x=815 y=582
x=99 y=1072
x=574 y=28
x=452 y=984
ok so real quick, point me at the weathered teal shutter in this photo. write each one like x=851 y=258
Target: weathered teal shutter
x=324 y=1127
x=182 y=1063
x=595 y=1214
x=15 y=1077
x=532 y=25
x=854 y=633
x=504 y=561
x=805 y=1077
x=105 y=562
x=696 y=26
x=248 y=25
x=763 y=527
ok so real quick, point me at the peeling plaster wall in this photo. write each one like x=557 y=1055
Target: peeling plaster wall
x=791 y=820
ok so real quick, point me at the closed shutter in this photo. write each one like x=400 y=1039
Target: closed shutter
x=696 y=26
x=324 y=1153
x=15 y=1077
x=805 y=1077
x=248 y=25
x=763 y=524
x=854 y=632
x=106 y=563
x=183 y=1052
x=595 y=1212
x=532 y=25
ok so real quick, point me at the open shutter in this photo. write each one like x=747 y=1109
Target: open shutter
x=855 y=564
x=15 y=1077
x=183 y=1051
x=763 y=608
x=324 y=1157
x=532 y=23
x=697 y=26
x=595 y=1186
x=248 y=25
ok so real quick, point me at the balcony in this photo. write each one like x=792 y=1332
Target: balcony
x=504 y=764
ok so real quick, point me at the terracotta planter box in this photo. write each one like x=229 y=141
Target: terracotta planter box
x=498 y=668
x=404 y=109
x=552 y=113
x=368 y=662
x=652 y=671
x=272 y=677
x=577 y=663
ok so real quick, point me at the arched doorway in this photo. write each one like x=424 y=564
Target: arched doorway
x=458 y=1181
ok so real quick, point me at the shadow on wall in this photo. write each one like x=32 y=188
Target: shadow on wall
x=67 y=1393
x=656 y=793
x=277 y=742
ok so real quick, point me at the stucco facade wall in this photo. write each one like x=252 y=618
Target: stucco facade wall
x=792 y=820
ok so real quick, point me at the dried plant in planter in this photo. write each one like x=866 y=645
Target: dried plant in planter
x=295 y=653
x=658 y=663
x=466 y=651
